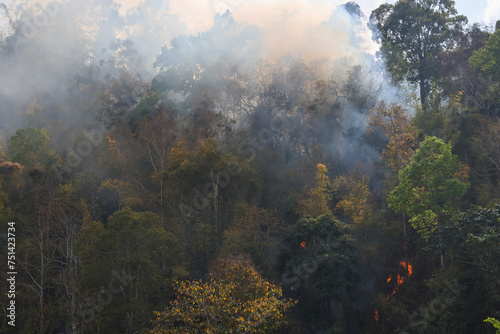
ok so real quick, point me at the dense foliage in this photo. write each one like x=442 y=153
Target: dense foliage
x=231 y=194
x=235 y=299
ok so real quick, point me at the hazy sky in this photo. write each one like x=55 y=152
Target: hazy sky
x=199 y=13
x=290 y=23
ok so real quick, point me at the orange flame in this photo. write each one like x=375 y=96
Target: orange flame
x=303 y=245
x=400 y=278
x=408 y=267
x=376 y=315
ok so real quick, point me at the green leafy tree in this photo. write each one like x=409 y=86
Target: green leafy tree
x=487 y=59
x=412 y=34
x=471 y=243
x=135 y=247
x=486 y=149
x=236 y=299
x=31 y=147
x=395 y=123
x=430 y=187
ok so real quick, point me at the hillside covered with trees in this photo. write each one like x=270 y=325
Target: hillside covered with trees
x=161 y=181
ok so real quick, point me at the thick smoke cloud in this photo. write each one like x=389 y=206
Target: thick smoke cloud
x=284 y=53
x=59 y=57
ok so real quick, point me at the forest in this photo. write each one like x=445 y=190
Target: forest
x=233 y=180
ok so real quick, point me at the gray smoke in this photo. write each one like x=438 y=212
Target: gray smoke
x=58 y=58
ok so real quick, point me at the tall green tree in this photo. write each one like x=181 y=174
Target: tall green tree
x=487 y=59
x=412 y=34
x=430 y=187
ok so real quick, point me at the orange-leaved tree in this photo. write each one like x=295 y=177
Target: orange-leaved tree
x=316 y=200
x=236 y=299
x=355 y=197
x=394 y=122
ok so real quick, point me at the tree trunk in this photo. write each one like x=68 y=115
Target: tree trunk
x=423 y=93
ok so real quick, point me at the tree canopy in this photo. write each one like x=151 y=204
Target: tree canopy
x=487 y=59
x=430 y=187
x=263 y=181
x=412 y=34
x=236 y=299
x=31 y=147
